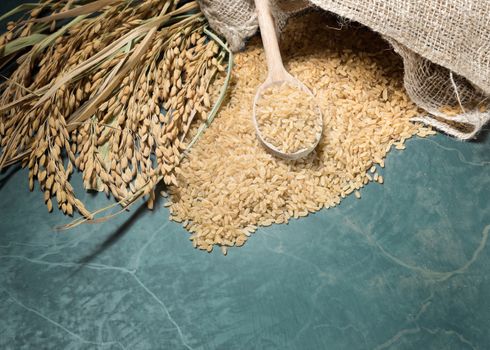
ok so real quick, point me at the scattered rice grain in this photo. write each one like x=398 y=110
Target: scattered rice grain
x=228 y=173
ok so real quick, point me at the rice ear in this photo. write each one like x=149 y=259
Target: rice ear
x=79 y=100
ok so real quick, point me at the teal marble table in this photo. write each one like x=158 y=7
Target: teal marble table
x=405 y=267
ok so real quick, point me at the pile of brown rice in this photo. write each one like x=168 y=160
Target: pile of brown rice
x=288 y=118
x=229 y=184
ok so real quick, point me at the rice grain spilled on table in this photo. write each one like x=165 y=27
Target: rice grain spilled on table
x=229 y=185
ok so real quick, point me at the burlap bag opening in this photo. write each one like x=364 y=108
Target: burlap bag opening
x=445 y=46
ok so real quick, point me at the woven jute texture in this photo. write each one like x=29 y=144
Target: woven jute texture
x=445 y=46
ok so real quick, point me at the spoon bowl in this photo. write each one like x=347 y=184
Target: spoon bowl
x=273 y=149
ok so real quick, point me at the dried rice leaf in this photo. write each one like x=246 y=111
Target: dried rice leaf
x=20 y=8
x=78 y=11
x=21 y=43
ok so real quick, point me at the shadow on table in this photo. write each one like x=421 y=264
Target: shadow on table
x=8 y=173
x=124 y=228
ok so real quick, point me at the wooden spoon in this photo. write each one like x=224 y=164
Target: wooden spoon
x=277 y=74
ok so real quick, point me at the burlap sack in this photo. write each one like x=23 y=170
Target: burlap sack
x=445 y=46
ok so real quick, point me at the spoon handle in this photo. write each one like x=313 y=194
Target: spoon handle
x=269 y=41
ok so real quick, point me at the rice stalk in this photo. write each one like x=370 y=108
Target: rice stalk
x=110 y=88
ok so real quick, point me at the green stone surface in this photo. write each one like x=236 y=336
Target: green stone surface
x=405 y=267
